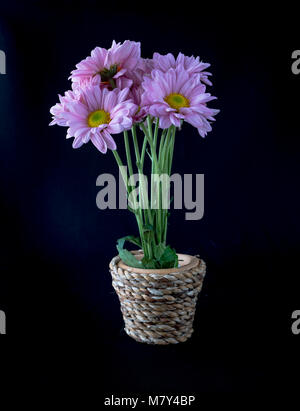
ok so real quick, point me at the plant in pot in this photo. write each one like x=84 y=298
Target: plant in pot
x=117 y=91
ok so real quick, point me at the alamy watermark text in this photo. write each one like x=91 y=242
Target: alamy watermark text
x=2 y=322
x=2 y=62
x=156 y=194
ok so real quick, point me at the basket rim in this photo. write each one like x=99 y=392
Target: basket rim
x=190 y=260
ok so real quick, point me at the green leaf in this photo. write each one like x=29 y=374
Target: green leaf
x=129 y=258
x=169 y=258
x=149 y=263
x=159 y=250
x=126 y=255
x=131 y=239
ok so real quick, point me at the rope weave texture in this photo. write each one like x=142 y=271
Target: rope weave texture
x=158 y=308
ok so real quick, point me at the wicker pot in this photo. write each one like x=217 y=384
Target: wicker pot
x=158 y=306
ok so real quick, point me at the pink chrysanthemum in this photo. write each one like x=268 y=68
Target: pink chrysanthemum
x=110 y=67
x=136 y=90
x=191 y=64
x=58 y=111
x=95 y=115
x=84 y=83
x=175 y=96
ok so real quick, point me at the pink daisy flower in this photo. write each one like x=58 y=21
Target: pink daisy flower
x=136 y=90
x=109 y=67
x=96 y=115
x=191 y=64
x=58 y=111
x=84 y=83
x=175 y=96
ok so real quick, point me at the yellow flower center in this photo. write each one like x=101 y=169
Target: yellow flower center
x=177 y=101
x=98 y=117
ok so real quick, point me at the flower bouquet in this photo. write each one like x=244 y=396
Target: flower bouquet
x=117 y=91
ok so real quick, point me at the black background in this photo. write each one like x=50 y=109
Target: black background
x=63 y=319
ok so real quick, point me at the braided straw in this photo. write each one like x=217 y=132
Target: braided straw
x=158 y=306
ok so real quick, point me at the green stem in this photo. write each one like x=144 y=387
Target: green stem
x=164 y=152
x=121 y=168
x=161 y=164
x=156 y=131
x=143 y=152
x=149 y=124
x=128 y=155
x=136 y=146
x=148 y=219
x=153 y=152
x=171 y=152
x=161 y=143
x=137 y=213
x=156 y=169
x=169 y=160
x=142 y=187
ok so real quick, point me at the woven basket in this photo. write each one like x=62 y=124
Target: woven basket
x=158 y=306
